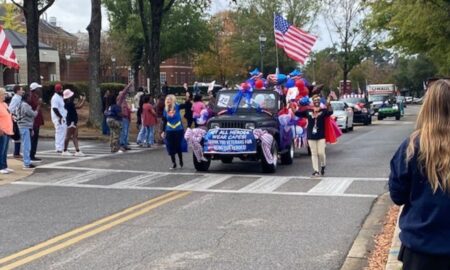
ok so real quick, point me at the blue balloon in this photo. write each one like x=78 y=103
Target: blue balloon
x=281 y=78
x=290 y=83
x=304 y=101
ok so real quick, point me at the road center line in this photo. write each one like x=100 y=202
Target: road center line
x=124 y=215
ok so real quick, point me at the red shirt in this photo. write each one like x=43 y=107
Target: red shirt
x=147 y=116
x=34 y=101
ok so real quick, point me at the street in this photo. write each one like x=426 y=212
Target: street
x=129 y=211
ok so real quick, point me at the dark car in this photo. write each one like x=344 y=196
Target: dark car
x=238 y=125
x=361 y=108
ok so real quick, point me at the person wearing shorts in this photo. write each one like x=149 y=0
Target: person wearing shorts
x=72 y=121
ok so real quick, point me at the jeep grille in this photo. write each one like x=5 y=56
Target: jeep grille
x=232 y=124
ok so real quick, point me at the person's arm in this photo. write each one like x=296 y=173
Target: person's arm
x=28 y=111
x=81 y=102
x=399 y=178
x=124 y=93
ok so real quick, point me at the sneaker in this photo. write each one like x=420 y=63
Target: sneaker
x=79 y=154
x=29 y=167
x=315 y=174
x=35 y=159
x=9 y=170
x=120 y=151
x=322 y=171
x=127 y=148
x=204 y=159
x=59 y=152
x=18 y=156
x=66 y=153
x=174 y=166
x=4 y=171
x=148 y=146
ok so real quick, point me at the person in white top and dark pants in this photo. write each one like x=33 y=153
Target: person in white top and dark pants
x=59 y=114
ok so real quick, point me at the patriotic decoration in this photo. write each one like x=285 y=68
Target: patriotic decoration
x=296 y=43
x=7 y=55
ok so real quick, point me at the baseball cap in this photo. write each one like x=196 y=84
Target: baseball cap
x=58 y=87
x=34 y=86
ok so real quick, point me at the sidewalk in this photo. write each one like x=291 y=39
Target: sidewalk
x=392 y=262
x=18 y=173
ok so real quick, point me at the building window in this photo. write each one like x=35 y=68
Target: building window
x=183 y=77
x=176 y=78
x=162 y=77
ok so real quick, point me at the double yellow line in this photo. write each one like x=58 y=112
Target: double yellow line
x=76 y=235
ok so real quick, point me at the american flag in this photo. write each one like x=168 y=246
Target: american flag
x=296 y=43
x=7 y=55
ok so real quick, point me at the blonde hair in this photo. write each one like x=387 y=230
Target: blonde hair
x=174 y=100
x=433 y=132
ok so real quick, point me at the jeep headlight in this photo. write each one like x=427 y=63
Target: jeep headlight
x=249 y=125
x=215 y=125
x=395 y=107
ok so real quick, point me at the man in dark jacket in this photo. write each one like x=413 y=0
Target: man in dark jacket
x=35 y=101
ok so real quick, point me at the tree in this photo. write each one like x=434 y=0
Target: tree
x=32 y=10
x=94 y=29
x=325 y=67
x=10 y=18
x=346 y=19
x=415 y=27
x=256 y=16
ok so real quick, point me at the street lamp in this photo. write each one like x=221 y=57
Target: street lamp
x=68 y=56
x=113 y=59
x=313 y=59
x=262 y=45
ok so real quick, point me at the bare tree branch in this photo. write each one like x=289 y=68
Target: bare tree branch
x=169 y=5
x=17 y=4
x=49 y=4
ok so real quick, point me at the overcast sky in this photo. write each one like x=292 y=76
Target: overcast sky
x=74 y=16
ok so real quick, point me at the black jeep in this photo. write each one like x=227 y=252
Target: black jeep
x=362 y=112
x=230 y=131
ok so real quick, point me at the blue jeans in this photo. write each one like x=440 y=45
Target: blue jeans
x=141 y=135
x=26 y=145
x=124 y=132
x=105 y=128
x=149 y=135
x=4 y=142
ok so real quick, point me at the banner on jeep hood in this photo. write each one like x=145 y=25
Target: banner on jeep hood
x=229 y=141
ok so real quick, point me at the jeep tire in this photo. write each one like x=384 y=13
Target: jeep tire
x=397 y=116
x=380 y=117
x=266 y=167
x=288 y=157
x=201 y=166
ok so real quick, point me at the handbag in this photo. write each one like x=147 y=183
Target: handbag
x=16 y=132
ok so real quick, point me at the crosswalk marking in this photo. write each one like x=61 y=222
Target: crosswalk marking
x=139 y=180
x=81 y=178
x=331 y=186
x=203 y=183
x=265 y=184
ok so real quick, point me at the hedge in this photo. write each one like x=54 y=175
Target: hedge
x=79 y=88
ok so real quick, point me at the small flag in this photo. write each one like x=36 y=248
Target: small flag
x=7 y=55
x=296 y=43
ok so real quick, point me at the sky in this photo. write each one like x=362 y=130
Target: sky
x=74 y=16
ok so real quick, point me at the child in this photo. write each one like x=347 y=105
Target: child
x=197 y=108
x=148 y=117
x=72 y=121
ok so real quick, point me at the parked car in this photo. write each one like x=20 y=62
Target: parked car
x=238 y=126
x=344 y=115
x=408 y=99
x=9 y=89
x=417 y=100
x=361 y=108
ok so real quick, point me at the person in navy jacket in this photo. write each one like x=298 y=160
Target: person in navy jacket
x=420 y=181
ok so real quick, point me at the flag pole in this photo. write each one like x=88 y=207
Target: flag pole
x=277 y=70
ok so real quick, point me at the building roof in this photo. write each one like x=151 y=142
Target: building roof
x=19 y=40
x=46 y=27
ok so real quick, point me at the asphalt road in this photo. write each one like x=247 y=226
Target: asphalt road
x=232 y=217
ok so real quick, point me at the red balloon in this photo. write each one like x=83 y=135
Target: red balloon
x=303 y=91
x=245 y=86
x=300 y=84
x=259 y=84
x=302 y=122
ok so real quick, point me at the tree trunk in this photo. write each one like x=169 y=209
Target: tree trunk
x=155 y=35
x=144 y=22
x=31 y=13
x=94 y=29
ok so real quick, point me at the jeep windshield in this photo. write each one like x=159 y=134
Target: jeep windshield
x=264 y=99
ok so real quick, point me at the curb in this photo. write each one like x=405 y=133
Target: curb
x=392 y=262
x=18 y=173
x=357 y=257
